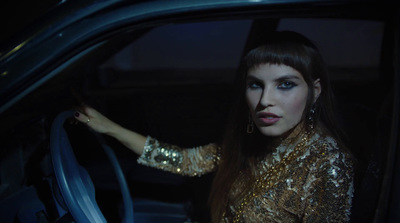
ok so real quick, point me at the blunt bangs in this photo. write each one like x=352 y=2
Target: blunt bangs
x=287 y=54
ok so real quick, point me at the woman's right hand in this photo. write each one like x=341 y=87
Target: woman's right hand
x=94 y=119
x=99 y=123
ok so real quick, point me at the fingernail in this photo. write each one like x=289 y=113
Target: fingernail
x=76 y=114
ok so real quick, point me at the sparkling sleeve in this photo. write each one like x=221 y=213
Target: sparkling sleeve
x=185 y=161
x=330 y=189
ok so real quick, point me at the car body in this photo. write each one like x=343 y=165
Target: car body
x=166 y=69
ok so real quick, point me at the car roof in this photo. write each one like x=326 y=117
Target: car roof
x=70 y=26
x=64 y=13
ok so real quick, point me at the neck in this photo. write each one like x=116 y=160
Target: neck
x=288 y=137
x=260 y=145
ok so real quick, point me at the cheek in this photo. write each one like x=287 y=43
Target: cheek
x=296 y=106
x=251 y=100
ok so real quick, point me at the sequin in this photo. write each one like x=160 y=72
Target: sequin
x=189 y=162
x=314 y=185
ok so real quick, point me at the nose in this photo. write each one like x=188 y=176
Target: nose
x=267 y=98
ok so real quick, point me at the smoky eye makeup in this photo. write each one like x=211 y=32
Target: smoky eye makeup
x=253 y=83
x=287 y=82
x=286 y=85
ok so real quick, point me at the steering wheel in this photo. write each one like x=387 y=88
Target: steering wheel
x=75 y=185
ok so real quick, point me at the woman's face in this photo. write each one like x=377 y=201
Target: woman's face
x=276 y=96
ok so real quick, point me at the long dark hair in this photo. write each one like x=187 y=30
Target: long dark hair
x=241 y=151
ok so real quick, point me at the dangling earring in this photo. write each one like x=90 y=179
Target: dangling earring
x=311 y=116
x=250 y=125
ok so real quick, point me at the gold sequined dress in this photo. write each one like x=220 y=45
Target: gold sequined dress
x=310 y=180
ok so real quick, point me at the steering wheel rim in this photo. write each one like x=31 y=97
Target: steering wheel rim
x=75 y=184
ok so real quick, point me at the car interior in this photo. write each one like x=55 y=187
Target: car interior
x=175 y=81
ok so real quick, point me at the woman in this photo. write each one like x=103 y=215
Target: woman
x=281 y=159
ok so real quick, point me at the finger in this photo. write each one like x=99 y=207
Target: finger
x=82 y=117
x=73 y=121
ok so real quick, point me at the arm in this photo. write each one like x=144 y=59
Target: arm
x=99 y=123
x=330 y=189
x=189 y=162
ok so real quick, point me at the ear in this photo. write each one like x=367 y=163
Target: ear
x=317 y=89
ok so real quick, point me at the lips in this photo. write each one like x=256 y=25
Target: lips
x=268 y=118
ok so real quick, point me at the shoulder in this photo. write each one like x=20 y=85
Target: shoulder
x=328 y=153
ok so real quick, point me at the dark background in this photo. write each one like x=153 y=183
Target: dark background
x=17 y=15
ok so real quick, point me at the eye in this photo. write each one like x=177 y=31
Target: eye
x=286 y=85
x=253 y=85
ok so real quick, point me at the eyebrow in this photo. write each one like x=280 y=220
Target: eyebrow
x=282 y=78
x=287 y=77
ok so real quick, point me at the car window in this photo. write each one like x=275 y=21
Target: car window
x=182 y=53
x=350 y=48
x=201 y=54
x=211 y=51
x=174 y=82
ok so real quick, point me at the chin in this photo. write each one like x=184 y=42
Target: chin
x=272 y=132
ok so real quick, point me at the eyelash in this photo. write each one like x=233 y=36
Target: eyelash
x=286 y=85
x=253 y=85
x=283 y=85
